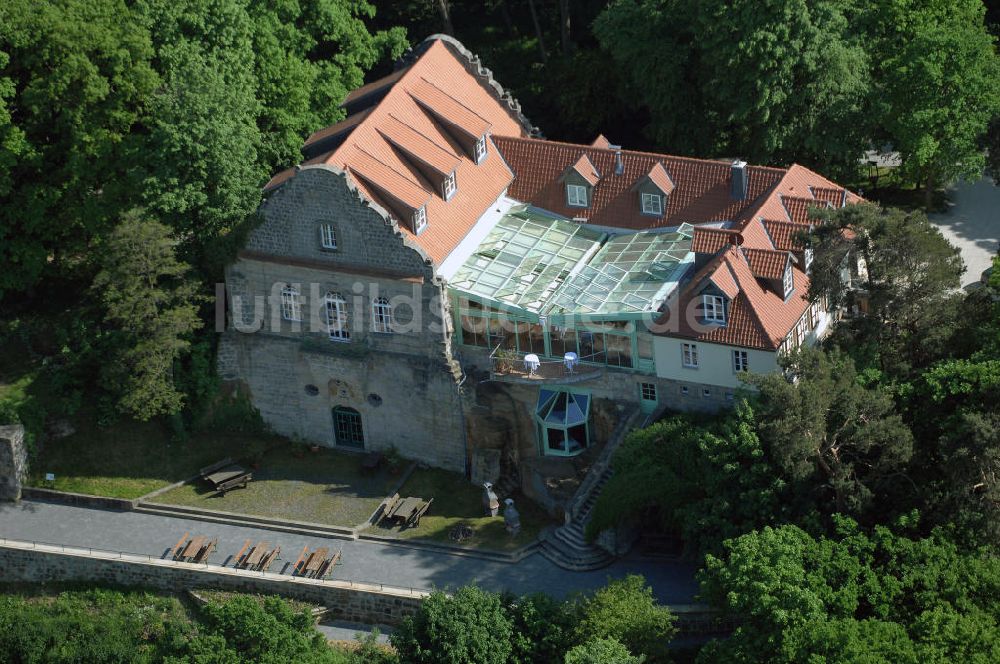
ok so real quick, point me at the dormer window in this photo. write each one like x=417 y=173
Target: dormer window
x=327 y=237
x=652 y=204
x=787 y=281
x=714 y=307
x=448 y=186
x=576 y=195
x=420 y=219
x=480 y=149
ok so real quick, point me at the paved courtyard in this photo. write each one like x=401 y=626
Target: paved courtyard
x=972 y=223
x=396 y=565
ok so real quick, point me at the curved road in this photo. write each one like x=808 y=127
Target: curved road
x=136 y=532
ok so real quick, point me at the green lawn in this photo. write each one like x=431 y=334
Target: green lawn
x=130 y=459
x=457 y=501
x=320 y=487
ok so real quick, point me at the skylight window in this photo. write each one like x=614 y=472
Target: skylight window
x=576 y=195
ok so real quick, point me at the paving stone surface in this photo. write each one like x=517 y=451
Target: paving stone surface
x=394 y=565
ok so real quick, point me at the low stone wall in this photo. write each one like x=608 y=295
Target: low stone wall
x=353 y=602
x=13 y=461
x=78 y=499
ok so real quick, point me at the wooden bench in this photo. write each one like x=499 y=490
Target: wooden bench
x=415 y=519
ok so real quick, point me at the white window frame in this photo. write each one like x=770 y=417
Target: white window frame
x=449 y=186
x=481 y=149
x=652 y=204
x=787 y=280
x=814 y=315
x=381 y=315
x=327 y=236
x=807 y=255
x=647 y=389
x=291 y=304
x=337 y=321
x=576 y=193
x=420 y=219
x=689 y=355
x=714 y=308
x=741 y=361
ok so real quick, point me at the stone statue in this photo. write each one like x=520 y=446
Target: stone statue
x=511 y=518
x=490 y=501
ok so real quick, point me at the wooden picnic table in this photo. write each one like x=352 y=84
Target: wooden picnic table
x=406 y=508
x=256 y=554
x=316 y=560
x=193 y=547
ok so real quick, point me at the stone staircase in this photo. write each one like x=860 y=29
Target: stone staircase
x=567 y=547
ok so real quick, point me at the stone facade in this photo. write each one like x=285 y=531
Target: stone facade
x=353 y=602
x=403 y=385
x=13 y=461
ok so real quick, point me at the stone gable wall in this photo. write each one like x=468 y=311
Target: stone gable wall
x=404 y=385
x=366 y=238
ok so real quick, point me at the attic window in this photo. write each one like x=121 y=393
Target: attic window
x=419 y=219
x=787 y=281
x=652 y=204
x=327 y=236
x=480 y=150
x=448 y=186
x=576 y=195
x=808 y=255
x=714 y=307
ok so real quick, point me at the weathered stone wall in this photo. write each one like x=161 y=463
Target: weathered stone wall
x=13 y=461
x=403 y=385
x=362 y=603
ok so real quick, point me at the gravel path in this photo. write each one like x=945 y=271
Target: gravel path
x=972 y=223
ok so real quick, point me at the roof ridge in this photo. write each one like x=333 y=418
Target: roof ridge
x=658 y=155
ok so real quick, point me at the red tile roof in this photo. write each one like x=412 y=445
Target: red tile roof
x=415 y=97
x=766 y=263
x=783 y=234
x=701 y=187
x=601 y=142
x=375 y=86
x=390 y=181
x=709 y=240
x=756 y=317
x=658 y=175
x=416 y=145
x=449 y=109
x=798 y=207
x=835 y=196
x=585 y=169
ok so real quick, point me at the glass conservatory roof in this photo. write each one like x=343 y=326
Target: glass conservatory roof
x=525 y=258
x=563 y=409
x=542 y=263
